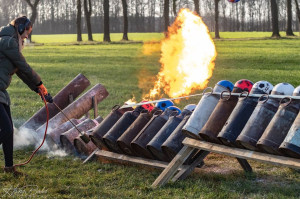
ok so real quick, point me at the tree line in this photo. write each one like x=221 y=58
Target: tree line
x=106 y=16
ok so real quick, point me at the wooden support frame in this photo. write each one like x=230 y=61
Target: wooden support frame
x=95 y=108
x=206 y=148
x=121 y=158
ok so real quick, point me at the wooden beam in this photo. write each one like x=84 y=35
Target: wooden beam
x=135 y=160
x=243 y=153
x=181 y=175
x=172 y=168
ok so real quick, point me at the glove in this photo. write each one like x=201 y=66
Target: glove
x=42 y=90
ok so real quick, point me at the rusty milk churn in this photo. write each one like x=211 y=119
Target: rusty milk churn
x=261 y=117
x=106 y=124
x=110 y=138
x=54 y=136
x=204 y=109
x=291 y=144
x=280 y=124
x=133 y=130
x=240 y=115
x=221 y=113
x=140 y=142
x=154 y=146
x=174 y=142
x=83 y=148
x=67 y=138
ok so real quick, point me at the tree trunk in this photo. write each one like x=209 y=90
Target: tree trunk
x=166 y=16
x=289 y=31
x=197 y=9
x=298 y=13
x=274 y=12
x=34 y=13
x=78 y=21
x=217 y=34
x=174 y=8
x=125 y=18
x=106 y=36
x=88 y=12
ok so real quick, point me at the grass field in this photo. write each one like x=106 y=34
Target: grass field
x=119 y=66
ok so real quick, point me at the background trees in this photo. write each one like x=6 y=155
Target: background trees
x=60 y=16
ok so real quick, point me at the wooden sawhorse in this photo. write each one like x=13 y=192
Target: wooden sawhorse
x=204 y=148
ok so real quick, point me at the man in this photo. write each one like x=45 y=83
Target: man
x=12 y=61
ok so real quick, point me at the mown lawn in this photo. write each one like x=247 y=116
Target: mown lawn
x=119 y=67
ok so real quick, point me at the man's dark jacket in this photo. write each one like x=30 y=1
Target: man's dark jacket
x=12 y=61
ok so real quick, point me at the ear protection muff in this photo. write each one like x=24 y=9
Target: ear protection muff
x=22 y=27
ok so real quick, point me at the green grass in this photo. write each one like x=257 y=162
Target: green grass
x=118 y=66
x=115 y=37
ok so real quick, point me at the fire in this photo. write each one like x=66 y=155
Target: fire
x=131 y=101
x=187 y=57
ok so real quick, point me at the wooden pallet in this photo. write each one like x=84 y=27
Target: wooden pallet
x=204 y=148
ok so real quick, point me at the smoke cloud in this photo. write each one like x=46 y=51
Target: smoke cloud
x=25 y=137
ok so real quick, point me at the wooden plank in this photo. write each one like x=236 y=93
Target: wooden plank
x=135 y=160
x=172 y=168
x=95 y=106
x=181 y=175
x=245 y=164
x=243 y=153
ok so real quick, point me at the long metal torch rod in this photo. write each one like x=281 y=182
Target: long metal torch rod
x=68 y=118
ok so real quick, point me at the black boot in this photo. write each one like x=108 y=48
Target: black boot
x=14 y=171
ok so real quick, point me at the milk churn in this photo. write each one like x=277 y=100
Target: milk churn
x=106 y=124
x=174 y=142
x=279 y=126
x=83 y=148
x=154 y=146
x=220 y=114
x=239 y=116
x=110 y=138
x=67 y=138
x=261 y=117
x=132 y=131
x=54 y=136
x=291 y=144
x=140 y=142
x=204 y=109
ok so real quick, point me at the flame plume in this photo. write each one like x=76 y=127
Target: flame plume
x=187 y=57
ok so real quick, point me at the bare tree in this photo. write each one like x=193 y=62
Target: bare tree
x=197 y=8
x=298 y=13
x=166 y=16
x=174 y=8
x=125 y=19
x=33 y=7
x=87 y=4
x=274 y=12
x=78 y=21
x=106 y=36
x=217 y=34
x=289 y=31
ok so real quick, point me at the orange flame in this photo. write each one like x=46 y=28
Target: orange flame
x=131 y=101
x=187 y=57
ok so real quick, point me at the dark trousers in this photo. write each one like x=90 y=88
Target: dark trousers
x=6 y=134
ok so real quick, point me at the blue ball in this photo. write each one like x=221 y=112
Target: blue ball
x=227 y=84
x=164 y=104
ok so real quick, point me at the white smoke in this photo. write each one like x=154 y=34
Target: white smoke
x=25 y=137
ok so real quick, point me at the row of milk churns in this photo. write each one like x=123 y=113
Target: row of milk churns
x=241 y=120
x=264 y=123
x=147 y=131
